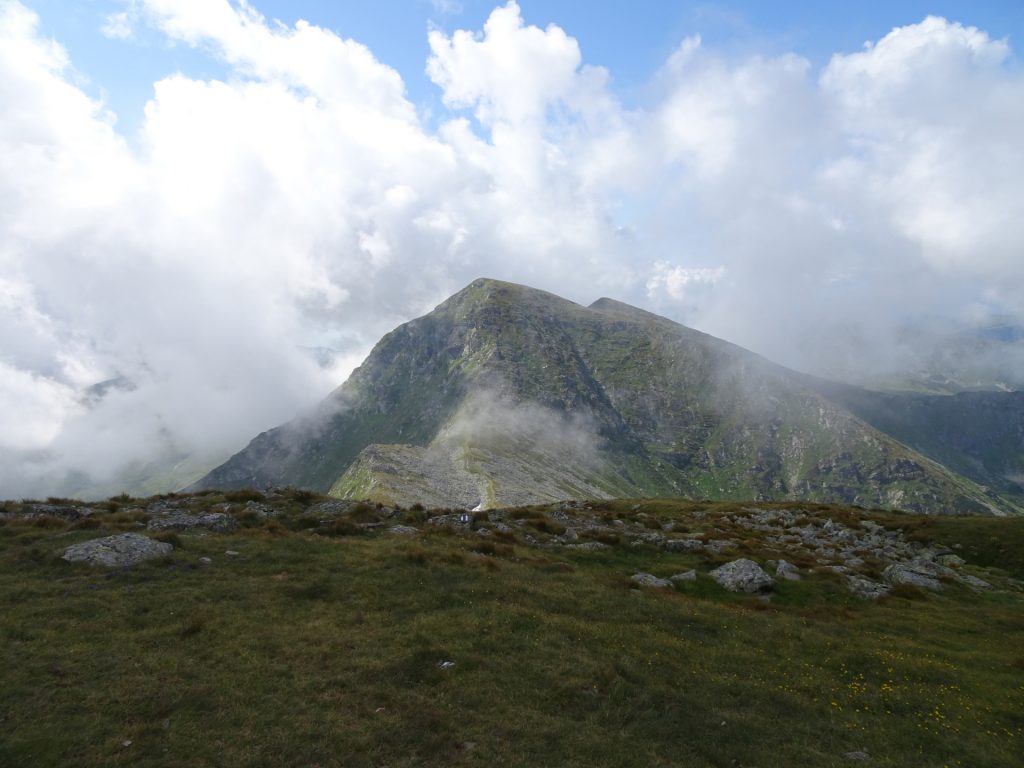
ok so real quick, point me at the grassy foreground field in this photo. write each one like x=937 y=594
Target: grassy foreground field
x=323 y=644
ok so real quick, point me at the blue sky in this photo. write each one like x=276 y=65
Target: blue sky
x=631 y=39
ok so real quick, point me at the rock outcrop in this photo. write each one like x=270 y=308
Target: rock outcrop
x=118 y=551
x=743 y=576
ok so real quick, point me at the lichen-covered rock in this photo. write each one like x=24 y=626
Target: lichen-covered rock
x=973 y=581
x=326 y=509
x=743 y=576
x=909 y=575
x=588 y=546
x=720 y=545
x=683 y=545
x=64 y=511
x=261 y=510
x=403 y=530
x=930 y=568
x=865 y=588
x=117 y=551
x=185 y=521
x=649 y=580
x=787 y=571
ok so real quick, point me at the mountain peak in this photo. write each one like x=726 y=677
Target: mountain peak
x=506 y=393
x=485 y=291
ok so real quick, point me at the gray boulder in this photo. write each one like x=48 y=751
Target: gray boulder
x=787 y=571
x=117 y=551
x=327 y=509
x=973 y=581
x=684 y=576
x=865 y=588
x=30 y=511
x=743 y=576
x=929 y=567
x=949 y=560
x=649 y=580
x=262 y=511
x=185 y=521
x=683 y=545
x=909 y=575
x=403 y=530
x=720 y=545
x=588 y=546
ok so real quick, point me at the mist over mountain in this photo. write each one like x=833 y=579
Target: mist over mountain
x=509 y=395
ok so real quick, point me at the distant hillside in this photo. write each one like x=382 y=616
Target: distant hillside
x=506 y=394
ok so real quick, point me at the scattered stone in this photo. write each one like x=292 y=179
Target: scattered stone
x=163 y=506
x=950 y=560
x=930 y=568
x=32 y=511
x=865 y=588
x=720 y=545
x=652 y=539
x=973 y=581
x=329 y=509
x=858 y=756
x=683 y=545
x=742 y=576
x=117 y=551
x=684 y=576
x=403 y=530
x=590 y=546
x=262 y=511
x=897 y=574
x=445 y=664
x=457 y=520
x=230 y=553
x=649 y=580
x=206 y=560
x=217 y=522
x=787 y=571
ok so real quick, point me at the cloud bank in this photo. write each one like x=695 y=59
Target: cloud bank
x=302 y=202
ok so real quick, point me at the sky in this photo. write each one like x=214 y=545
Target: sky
x=196 y=195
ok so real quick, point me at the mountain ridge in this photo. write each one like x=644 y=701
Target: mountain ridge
x=660 y=408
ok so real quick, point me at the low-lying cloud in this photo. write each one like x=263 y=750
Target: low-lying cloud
x=303 y=202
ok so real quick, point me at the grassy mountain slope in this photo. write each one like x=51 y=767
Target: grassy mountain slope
x=527 y=396
x=977 y=434
x=293 y=645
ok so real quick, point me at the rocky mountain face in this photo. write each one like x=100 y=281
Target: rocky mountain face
x=508 y=395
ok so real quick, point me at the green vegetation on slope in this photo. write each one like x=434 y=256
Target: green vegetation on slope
x=655 y=409
x=319 y=643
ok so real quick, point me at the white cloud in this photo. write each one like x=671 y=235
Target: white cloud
x=301 y=202
x=512 y=73
x=118 y=26
x=448 y=7
x=680 y=282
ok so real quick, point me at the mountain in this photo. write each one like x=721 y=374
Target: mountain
x=508 y=395
x=977 y=434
